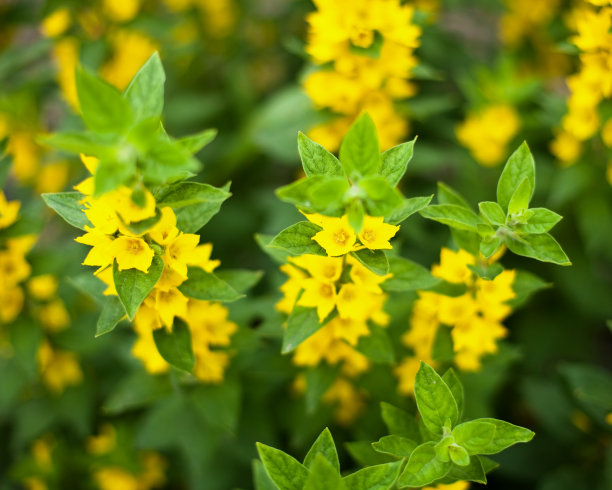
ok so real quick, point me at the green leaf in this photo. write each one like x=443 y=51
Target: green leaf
x=519 y=166
x=490 y=245
x=133 y=285
x=394 y=162
x=261 y=479
x=434 y=399
x=298 y=192
x=472 y=472
x=492 y=212
x=408 y=276
x=175 y=346
x=362 y=452
x=219 y=404
x=278 y=255
x=324 y=445
x=521 y=197
x=297 y=239
x=399 y=422
x=447 y=195
x=102 y=106
x=375 y=260
x=382 y=198
x=112 y=313
x=66 y=204
x=355 y=213
x=301 y=324
x=89 y=143
x=285 y=471
x=487 y=464
x=207 y=286
x=590 y=385
x=240 y=279
x=90 y=285
x=377 y=346
x=458 y=455
x=195 y=142
x=489 y=436
x=378 y=477
x=323 y=476
x=423 y=467
x=452 y=381
x=408 y=208
x=316 y=160
x=167 y=161
x=326 y=196
x=194 y=204
x=525 y=285
x=395 y=445
x=542 y=247
x=111 y=174
x=145 y=93
x=359 y=151
x=540 y=220
x=452 y=215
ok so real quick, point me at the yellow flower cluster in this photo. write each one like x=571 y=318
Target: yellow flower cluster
x=590 y=85
x=152 y=465
x=338 y=284
x=524 y=18
x=112 y=241
x=474 y=317
x=486 y=133
x=219 y=16
x=367 y=47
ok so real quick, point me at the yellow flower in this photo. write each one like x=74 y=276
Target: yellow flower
x=320 y=295
x=454 y=266
x=115 y=478
x=129 y=211
x=337 y=237
x=290 y=288
x=54 y=316
x=43 y=287
x=132 y=253
x=353 y=302
x=210 y=366
x=365 y=278
x=326 y=269
x=121 y=10
x=169 y=304
x=498 y=290
x=56 y=23
x=165 y=230
x=566 y=147
x=9 y=211
x=11 y=303
x=104 y=442
x=102 y=254
x=58 y=369
x=66 y=55
x=180 y=252
x=453 y=310
x=349 y=402
x=52 y=177
x=101 y=214
x=13 y=268
x=144 y=348
x=375 y=234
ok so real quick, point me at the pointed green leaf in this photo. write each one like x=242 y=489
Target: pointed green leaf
x=102 y=107
x=375 y=260
x=298 y=192
x=452 y=215
x=434 y=399
x=520 y=165
x=408 y=276
x=489 y=436
x=398 y=446
x=378 y=477
x=400 y=422
x=326 y=197
x=542 y=247
x=458 y=455
x=301 y=324
x=261 y=480
x=521 y=197
x=66 y=204
x=377 y=346
x=285 y=471
x=492 y=212
x=472 y=472
x=111 y=174
x=316 y=160
x=297 y=239
x=423 y=467
x=408 y=208
x=359 y=151
x=240 y=279
x=175 y=346
x=207 y=286
x=195 y=142
x=194 y=204
x=112 y=313
x=490 y=245
x=279 y=255
x=323 y=476
x=395 y=160
x=540 y=220
x=133 y=285
x=452 y=381
x=145 y=92
x=324 y=445
x=382 y=198
x=447 y=195
x=137 y=389
x=355 y=213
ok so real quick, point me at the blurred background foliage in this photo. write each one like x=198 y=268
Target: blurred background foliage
x=79 y=412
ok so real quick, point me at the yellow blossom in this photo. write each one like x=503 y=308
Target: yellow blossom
x=58 y=369
x=353 y=302
x=56 y=23
x=375 y=234
x=104 y=442
x=102 y=254
x=52 y=177
x=454 y=266
x=290 y=288
x=54 y=316
x=365 y=278
x=11 y=303
x=128 y=210
x=115 y=478
x=320 y=295
x=66 y=55
x=180 y=252
x=121 y=10
x=9 y=211
x=13 y=268
x=132 y=253
x=348 y=401
x=169 y=304
x=144 y=348
x=337 y=236
x=326 y=269
x=43 y=287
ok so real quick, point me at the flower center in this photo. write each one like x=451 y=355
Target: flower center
x=341 y=237
x=369 y=235
x=326 y=290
